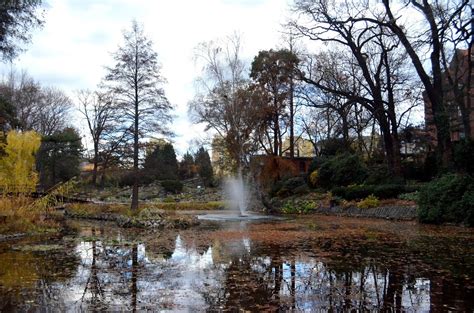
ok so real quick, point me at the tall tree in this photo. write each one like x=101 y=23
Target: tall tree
x=136 y=80
x=161 y=163
x=204 y=165
x=223 y=101
x=17 y=19
x=444 y=26
x=99 y=112
x=186 y=166
x=43 y=109
x=373 y=60
x=273 y=71
x=8 y=118
x=59 y=156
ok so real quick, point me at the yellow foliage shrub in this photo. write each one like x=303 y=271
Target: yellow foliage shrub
x=313 y=178
x=369 y=202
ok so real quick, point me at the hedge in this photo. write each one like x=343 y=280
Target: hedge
x=358 y=192
x=449 y=199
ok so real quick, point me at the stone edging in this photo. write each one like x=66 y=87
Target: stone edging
x=386 y=212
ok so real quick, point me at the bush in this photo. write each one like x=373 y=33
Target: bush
x=313 y=178
x=334 y=146
x=288 y=187
x=357 y=192
x=316 y=163
x=463 y=152
x=448 y=199
x=301 y=207
x=168 y=199
x=369 y=202
x=342 y=170
x=301 y=190
x=173 y=186
x=293 y=182
x=411 y=196
x=126 y=179
x=378 y=174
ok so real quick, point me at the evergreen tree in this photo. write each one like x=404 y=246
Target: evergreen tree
x=187 y=169
x=203 y=163
x=59 y=156
x=161 y=164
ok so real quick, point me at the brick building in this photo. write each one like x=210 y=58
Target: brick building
x=458 y=95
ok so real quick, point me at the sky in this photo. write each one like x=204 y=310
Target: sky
x=76 y=42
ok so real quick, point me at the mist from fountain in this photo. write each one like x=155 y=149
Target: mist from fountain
x=238 y=194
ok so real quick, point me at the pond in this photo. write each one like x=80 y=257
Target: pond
x=315 y=263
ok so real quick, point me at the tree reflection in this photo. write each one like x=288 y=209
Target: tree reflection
x=93 y=284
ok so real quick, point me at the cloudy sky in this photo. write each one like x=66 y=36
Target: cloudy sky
x=74 y=45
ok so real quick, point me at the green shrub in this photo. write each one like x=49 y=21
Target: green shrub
x=378 y=174
x=410 y=196
x=174 y=186
x=301 y=190
x=126 y=179
x=293 y=185
x=301 y=207
x=356 y=192
x=342 y=170
x=316 y=163
x=294 y=182
x=334 y=146
x=275 y=188
x=447 y=199
x=369 y=202
x=168 y=199
x=463 y=152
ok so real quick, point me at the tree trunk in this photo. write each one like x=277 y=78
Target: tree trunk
x=292 y=117
x=96 y=160
x=433 y=86
x=275 y=135
x=134 y=206
x=393 y=158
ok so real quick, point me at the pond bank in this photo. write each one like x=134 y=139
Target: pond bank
x=146 y=219
x=384 y=212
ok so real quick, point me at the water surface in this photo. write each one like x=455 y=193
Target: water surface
x=306 y=264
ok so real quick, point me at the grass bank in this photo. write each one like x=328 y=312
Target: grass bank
x=24 y=215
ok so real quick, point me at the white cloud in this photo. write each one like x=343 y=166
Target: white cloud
x=72 y=49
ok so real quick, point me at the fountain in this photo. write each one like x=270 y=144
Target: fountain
x=237 y=193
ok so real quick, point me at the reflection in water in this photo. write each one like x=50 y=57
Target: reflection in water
x=106 y=274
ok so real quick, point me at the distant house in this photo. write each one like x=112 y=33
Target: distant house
x=458 y=82
x=303 y=148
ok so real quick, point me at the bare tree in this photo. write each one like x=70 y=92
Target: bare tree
x=447 y=25
x=224 y=101
x=135 y=80
x=43 y=109
x=53 y=111
x=99 y=112
x=373 y=61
